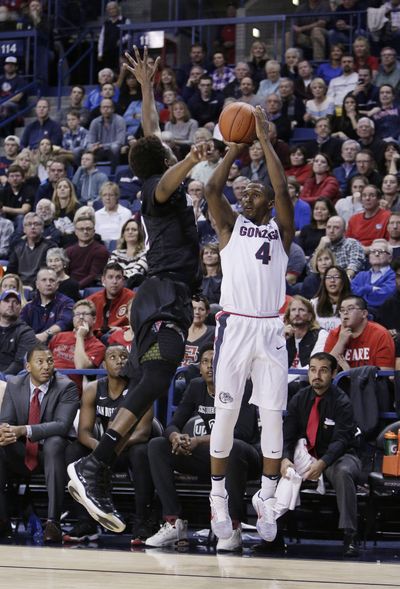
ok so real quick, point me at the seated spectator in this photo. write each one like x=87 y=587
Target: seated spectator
x=335 y=285
x=46 y=210
x=378 y=283
x=111 y=218
x=11 y=85
x=238 y=186
x=199 y=334
x=358 y=341
x=93 y=99
x=322 y=259
x=129 y=186
x=57 y=170
x=75 y=137
x=45 y=154
x=195 y=190
x=206 y=105
x=192 y=83
x=320 y=105
x=107 y=134
x=57 y=260
x=11 y=149
x=389 y=70
x=108 y=91
x=198 y=57
x=256 y=171
x=247 y=92
x=362 y=53
x=222 y=75
x=340 y=86
x=29 y=253
x=258 y=59
x=333 y=68
x=296 y=264
x=22 y=454
x=203 y=170
x=6 y=233
x=129 y=89
x=372 y=222
x=13 y=282
x=25 y=160
x=367 y=139
x=75 y=104
x=66 y=204
x=390 y=198
x=322 y=183
x=299 y=168
x=100 y=402
x=311 y=234
x=166 y=81
x=349 y=205
x=233 y=90
x=390 y=158
x=273 y=108
x=16 y=337
x=304 y=337
x=388 y=314
x=305 y=77
x=49 y=311
x=302 y=210
x=310 y=31
x=190 y=454
x=348 y=252
x=292 y=105
x=16 y=196
x=181 y=126
x=365 y=93
x=210 y=260
x=292 y=57
x=336 y=459
x=386 y=115
x=272 y=80
x=130 y=253
x=88 y=179
x=348 y=168
x=324 y=142
x=345 y=125
x=87 y=257
x=393 y=228
x=43 y=126
x=234 y=172
x=78 y=349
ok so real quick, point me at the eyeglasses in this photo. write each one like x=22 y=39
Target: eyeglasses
x=83 y=314
x=333 y=277
x=32 y=224
x=378 y=252
x=348 y=310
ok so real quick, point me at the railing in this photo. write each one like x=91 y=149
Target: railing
x=34 y=86
x=23 y=45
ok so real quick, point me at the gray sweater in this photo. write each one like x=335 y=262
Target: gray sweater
x=88 y=185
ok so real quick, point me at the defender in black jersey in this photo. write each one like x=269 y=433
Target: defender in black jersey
x=161 y=312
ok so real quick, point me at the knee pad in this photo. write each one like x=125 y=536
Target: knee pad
x=221 y=441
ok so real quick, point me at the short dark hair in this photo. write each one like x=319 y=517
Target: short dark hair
x=147 y=157
x=15 y=168
x=325 y=356
x=80 y=88
x=204 y=349
x=360 y=301
x=113 y=266
x=39 y=347
x=200 y=298
x=74 y=112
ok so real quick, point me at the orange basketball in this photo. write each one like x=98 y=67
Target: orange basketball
x=237 y=123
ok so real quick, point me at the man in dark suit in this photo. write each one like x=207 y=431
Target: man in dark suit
x=37 y=413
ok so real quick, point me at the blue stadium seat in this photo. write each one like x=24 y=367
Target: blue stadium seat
x=302 y=134
x=90 y=290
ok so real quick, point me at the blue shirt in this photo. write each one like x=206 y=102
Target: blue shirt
x=35 y=132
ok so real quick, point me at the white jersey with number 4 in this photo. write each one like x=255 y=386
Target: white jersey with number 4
x=254 y=266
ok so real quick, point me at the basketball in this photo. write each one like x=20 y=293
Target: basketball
x=237 y=123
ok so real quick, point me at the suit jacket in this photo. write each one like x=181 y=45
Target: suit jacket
x=57 y=410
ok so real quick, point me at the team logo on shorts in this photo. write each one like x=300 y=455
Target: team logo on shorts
x=225 y=397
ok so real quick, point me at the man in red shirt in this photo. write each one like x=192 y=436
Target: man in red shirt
x=111 y=302
x=358 y=341
x=79 y=348
x=372 y=222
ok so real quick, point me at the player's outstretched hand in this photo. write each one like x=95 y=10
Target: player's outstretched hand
x=139 y=67
x=198 y=153
x=262 y=124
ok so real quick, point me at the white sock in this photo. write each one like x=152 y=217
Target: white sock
x=268 y=487
x=218 y=486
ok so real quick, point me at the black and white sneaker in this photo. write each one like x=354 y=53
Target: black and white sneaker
x=90 y=485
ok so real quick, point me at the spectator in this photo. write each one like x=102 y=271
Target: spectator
x=6 y=232
x=88 y=257
x=296 y=264
x=324 y=142
x=88 y=179
x=109 y=91
x=339 y=87
x=199 y=334
x=358 y=341
x=107 y=134
x=167 y=81
x=11 y=85
x=258 y=59
x=387 y=115
x=26 y=161
x=11 y=149
x=222 y=75
x=271 y=84
x=247 y=92
x=322 y=182
x=320 y=105
x=345 y=125
x=302 y=210
x=365 y=93
x=198 y=58
x=78 y=349
x=43 y=126
x=378 y=283
x=322 y=259
x=203 y=170
x=391 y=34
x=57 y=260
x=29 y=254
x=75 y=138
x=292 y=57
x=362 y=55
x=366 y=166
x=16 y=196
x=390 y=193
x=238 y=186
x=342 y=27
x=333 y=68
x=112 y=216
x=348 y=168
x=273 y=108
x=13 y=282
x=372 y=222
x=311 y=234
x=292 y=105
x=182 y=126
x=389 y=70
x=393 y=228
x=49 y=311
x=129 y=89
x=130 y=253
x=210 y=260
x=66 y=204
x=46 y=210
x=299 y=168
x=16 y=337
x=310 y=31
x=206 y=104
x=195 y=190
x=192 y=83
x=256 y=171
x=44 y=155
x=57 y=171
x=233 y=90
x=302 y=84
x=23 y=454
x=75 y=104
x=93 y=99
x=390 y=160
x=366 y=137
x=388 y=314
x=335 y=285
x=109 y=45
x=348 y=252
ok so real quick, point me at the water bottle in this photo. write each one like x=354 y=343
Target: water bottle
x=34 y=528
x=391 y=443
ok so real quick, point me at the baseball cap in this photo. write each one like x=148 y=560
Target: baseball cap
x=7 y=293
x=11 y=59
x=14 y=138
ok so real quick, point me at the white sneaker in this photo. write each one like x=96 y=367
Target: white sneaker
x=221 y=523
x=232 y=544
x=169 y=534
x=266 y=520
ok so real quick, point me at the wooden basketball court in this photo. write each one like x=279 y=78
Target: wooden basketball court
x=66 y=568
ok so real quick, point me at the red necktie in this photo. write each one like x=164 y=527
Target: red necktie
x=312 y=425
x=32 y=448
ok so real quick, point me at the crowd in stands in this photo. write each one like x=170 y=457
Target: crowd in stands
x=74 y=249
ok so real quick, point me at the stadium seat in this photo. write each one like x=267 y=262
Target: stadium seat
x=302 y=134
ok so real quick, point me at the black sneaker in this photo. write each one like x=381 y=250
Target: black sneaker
x=90 y=485
x=82 y=532
x=142 y=529
x=350 y=546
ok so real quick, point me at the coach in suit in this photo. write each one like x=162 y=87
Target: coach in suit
x=36 y=415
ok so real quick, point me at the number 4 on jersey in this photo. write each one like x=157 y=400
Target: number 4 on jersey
x=263 y=253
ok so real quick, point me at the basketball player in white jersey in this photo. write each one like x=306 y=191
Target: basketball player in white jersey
x=249 y=338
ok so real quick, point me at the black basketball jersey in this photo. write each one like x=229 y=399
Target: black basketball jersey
x=105 y=406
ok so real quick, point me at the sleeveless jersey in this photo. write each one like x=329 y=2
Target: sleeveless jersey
x=105 y=406
x=253 y=268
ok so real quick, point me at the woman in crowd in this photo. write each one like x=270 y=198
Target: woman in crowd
x=345 y=125
x=131 y=253
x=320 y=105
x=199 y=333
x=167 y=81
x=258 y=59
x=322 y=181
x=335 y=285
x=210 y=260
x=390 y=198
x=322 y=259
x=112 y=216
x=300 y=169
x=292 y=58
x=57 y=260
x=45 y=154
x=387 y=115
x=13 y=282
x=310 y=235
x=349 y=205
x=25 y=159
x=256 y=171
x=332 y=69
x=66 y=203
x=130 y=90
x=181 y=126
x=390 y=158
x=363 y=57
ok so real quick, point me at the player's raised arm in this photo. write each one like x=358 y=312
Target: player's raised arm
x=175 y=175
x=283 y=204
x=144 y=73
x=218 y=205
